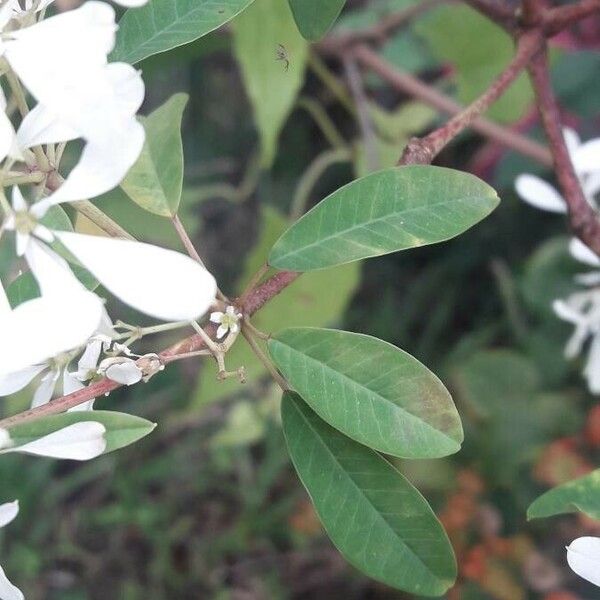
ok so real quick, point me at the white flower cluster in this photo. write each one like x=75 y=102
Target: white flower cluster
x=582 y=308
x=61 y=63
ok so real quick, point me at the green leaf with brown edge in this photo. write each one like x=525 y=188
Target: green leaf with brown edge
x=155 y=181
x=162 y=25
x=376 y=518
x=315 y=18
x=387 y=211
x=121 y=429
x=582 y=494
x=370 y=390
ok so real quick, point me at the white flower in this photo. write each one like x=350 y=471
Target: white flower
x=80 y=441
x=228 y=321
x=44 y=327
x=583 y=556
x=29 y=4
x=586 y=160
x=8 y=591
x=582 y=309
x=161 y=283
x=79 y=95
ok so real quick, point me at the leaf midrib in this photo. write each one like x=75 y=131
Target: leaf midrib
x=367 y=499
x=409 y=415
x=341 y=232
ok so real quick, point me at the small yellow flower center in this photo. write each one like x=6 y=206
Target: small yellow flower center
x=25 y=222
x=228 y=320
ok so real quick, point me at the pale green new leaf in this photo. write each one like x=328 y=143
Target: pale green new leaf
x=375 y=517
x=315 y=17
x=121 y=429
x=272 y=56
x=581 y=494
x=155 y=181
x=164 y=24
x=387 y=211
x=370 y=390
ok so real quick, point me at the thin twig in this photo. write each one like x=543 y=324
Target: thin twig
x=424 y=150
x=255 y=301
x=582 y=217
x=312 y=174
x=190 y=249
x=264 y=359
x=362 y=108
x=561 y=17
x=408 y=84
x=322 y=119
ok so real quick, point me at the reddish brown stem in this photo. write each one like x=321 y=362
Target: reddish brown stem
x=254 y=302
x=408 y=84
x=561 y=17
x=424 y=150
x=582 y=218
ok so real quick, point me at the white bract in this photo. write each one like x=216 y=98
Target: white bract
x=228 y=321
x=80 y=441
x=8 y=591
x=583 y=556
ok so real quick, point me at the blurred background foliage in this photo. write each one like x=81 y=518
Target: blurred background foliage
x=208 y=506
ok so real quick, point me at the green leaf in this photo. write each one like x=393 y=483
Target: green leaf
x=121 y=429
x=511 y=419
x=375 y=517
x=164 y=24
x=370 y=390
x=155 y=181
x=317 y=298
x=387 y=211
x=272 y=56
x=314 y=18
x=582 y=494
